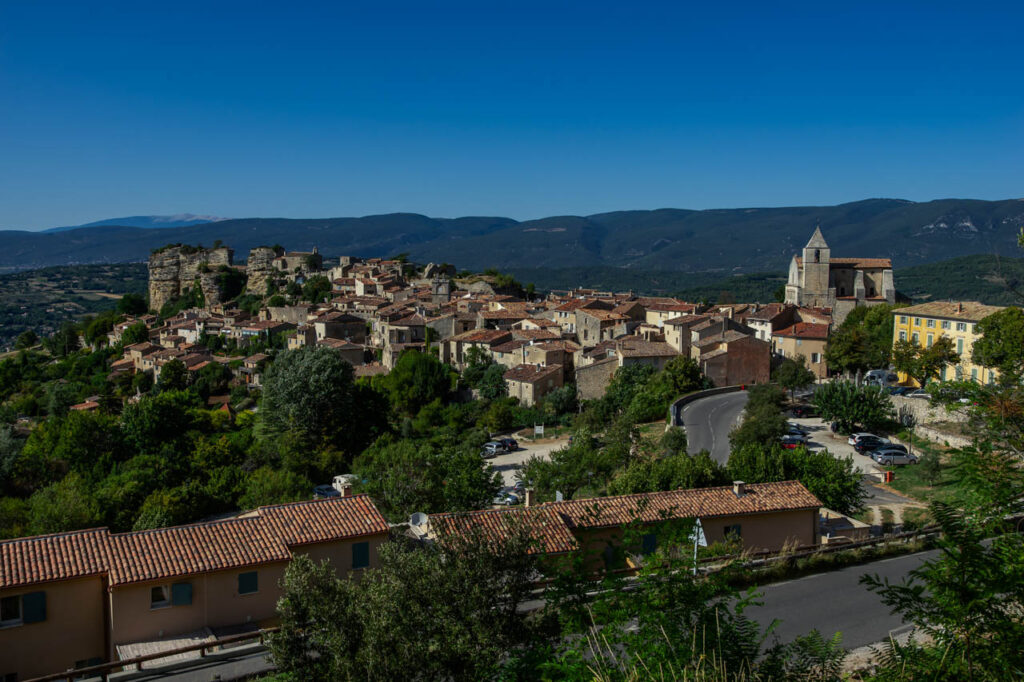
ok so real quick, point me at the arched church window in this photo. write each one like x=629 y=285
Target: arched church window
x=817 y=255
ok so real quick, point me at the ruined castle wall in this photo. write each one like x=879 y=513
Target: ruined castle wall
x=259 y=268
x=171 y=272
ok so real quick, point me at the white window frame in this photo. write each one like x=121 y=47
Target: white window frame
x=161 y=603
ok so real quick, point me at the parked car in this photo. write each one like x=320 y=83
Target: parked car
x=796 y=428
x=893 y=457
x=793 y=442
x=880 y=377
x=322 y=492
x=803 y=410
x=492 y=449
x=899 y=390
x=869 y=443
x=919 y=393
x=506 y=499
x=510 y=444
x=519 y=487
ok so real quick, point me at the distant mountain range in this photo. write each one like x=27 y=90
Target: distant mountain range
x=146 y=222
x=723 y=241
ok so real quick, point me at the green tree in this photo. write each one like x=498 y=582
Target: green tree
x=269 y=486
x=66 y=505
x=310 y=399
x=416 y=380
x=1001 y=345
x=863 y=341
x=763 y=419
x=173 y=376
x=849 y=405
x=793 y=375
x=923 y=364
x=136 y=333
x=26 y=339
x=447 y=611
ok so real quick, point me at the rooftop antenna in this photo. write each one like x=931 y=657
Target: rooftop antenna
x=418 y=519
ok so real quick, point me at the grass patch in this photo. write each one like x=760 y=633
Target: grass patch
x=913 y=480
x=916 y=517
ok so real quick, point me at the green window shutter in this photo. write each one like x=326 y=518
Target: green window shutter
x=361 y=555
x=33 y=607
x=181 y=594
x=248 y=582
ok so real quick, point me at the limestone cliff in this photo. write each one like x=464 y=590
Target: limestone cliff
x=259 y=268
x=176 y=268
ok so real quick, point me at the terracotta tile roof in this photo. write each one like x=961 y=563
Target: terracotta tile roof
x=531 y=373
x=509 y=346
x=970 y=311
x=804 y=330
x=262 y=537
x=759 y=498
x=199 y=548
x=301 y=523
x=603 y=315
x=488 y=336
x=687 y=319
x=535 y=334
x=53 y=557
x=859 y=263
x=547 y=528
x=629 y=348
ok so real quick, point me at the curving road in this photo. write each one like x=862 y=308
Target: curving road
x=708 y=422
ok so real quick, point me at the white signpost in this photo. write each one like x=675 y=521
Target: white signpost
x=538 y=430
x=697 y=535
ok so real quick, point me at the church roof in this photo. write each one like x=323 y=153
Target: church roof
x=859 y=263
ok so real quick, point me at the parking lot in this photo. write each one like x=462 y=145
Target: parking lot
x=820 y=437
x=508 y=464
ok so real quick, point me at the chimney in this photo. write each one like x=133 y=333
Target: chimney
x=528 y=501
x=739 y=488
x=960 y=307
x=346 y=490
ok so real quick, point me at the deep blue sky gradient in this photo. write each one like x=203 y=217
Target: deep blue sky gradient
x=492 y=108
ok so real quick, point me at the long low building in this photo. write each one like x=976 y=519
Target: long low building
x=69 y=600
x=762 y=516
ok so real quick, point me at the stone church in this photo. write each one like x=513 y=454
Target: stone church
x=818 y=280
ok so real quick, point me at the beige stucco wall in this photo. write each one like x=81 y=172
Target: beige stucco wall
x=215 y=603
x=72 y=632
x=340 y=553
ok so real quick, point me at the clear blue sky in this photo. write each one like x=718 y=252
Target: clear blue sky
x=500 y=108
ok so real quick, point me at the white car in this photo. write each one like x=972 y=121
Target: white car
x=854 y=437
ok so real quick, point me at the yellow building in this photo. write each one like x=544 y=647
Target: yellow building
x=924 y=324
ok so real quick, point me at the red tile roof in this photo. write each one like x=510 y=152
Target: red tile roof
x=531 y=374
x=263 y=537
x=859 y=263
x=547 y=529
x=759 y=498
x=804 y=330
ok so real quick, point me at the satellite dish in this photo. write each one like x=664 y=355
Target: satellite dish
x=418 y=519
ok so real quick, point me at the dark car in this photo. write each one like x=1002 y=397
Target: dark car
x=867 y=444
x=510 y=444
x=804 y=411
x=323 y=492
x=793 y=442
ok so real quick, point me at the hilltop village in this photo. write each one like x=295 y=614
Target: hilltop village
x=372 y=310
x=171 y=466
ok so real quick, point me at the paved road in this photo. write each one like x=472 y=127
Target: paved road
x=836 y=602
x=708 y=422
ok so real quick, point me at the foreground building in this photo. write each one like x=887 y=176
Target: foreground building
x=74 y=599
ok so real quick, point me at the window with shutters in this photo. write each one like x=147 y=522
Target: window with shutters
x=649 y=543
x=181 y=594
x=360 y=555
x=159 y=597
x=248 y=583
x=10 y=611
x=931 y=323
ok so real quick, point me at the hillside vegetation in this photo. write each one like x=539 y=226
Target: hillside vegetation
x=729 y=240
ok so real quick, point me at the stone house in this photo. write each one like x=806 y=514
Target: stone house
x=530 y=383
x=454 y=349
x=732 y=358
x=807 y=339
x=594 y=325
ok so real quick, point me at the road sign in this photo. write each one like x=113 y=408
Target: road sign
x=697 y=535
x=538 y=430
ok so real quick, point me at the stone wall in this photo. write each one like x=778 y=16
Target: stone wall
x=592 y=381
x=259 y=268
x=926 y=413
x=177 y=268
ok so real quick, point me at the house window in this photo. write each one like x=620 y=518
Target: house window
x=360 y=555
x=917 y=321
x=960 y=346
x=815 y=358
x=159 y=597
x=735 y=531
x=248 y=583
x=930 y=340
x=974 y=375
x=943 y=374
x=649 y=543
x=916 y=338
x=959 y=373
x=10 y=611
x=903 y=336
x=931 y=323
x=903 y=319
x=23 y=609
x=945 y=324
x=961 y=326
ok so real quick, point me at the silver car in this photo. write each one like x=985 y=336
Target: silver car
x=891 y=457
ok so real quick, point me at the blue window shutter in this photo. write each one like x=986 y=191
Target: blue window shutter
x=181 y=594
x=248 y=582
x=650 y=543
x=360 y=555
x=33 y=607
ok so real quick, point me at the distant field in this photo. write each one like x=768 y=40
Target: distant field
x=44 y=299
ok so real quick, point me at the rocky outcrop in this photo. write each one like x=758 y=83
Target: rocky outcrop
x=259 y=268
x=174 y=269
